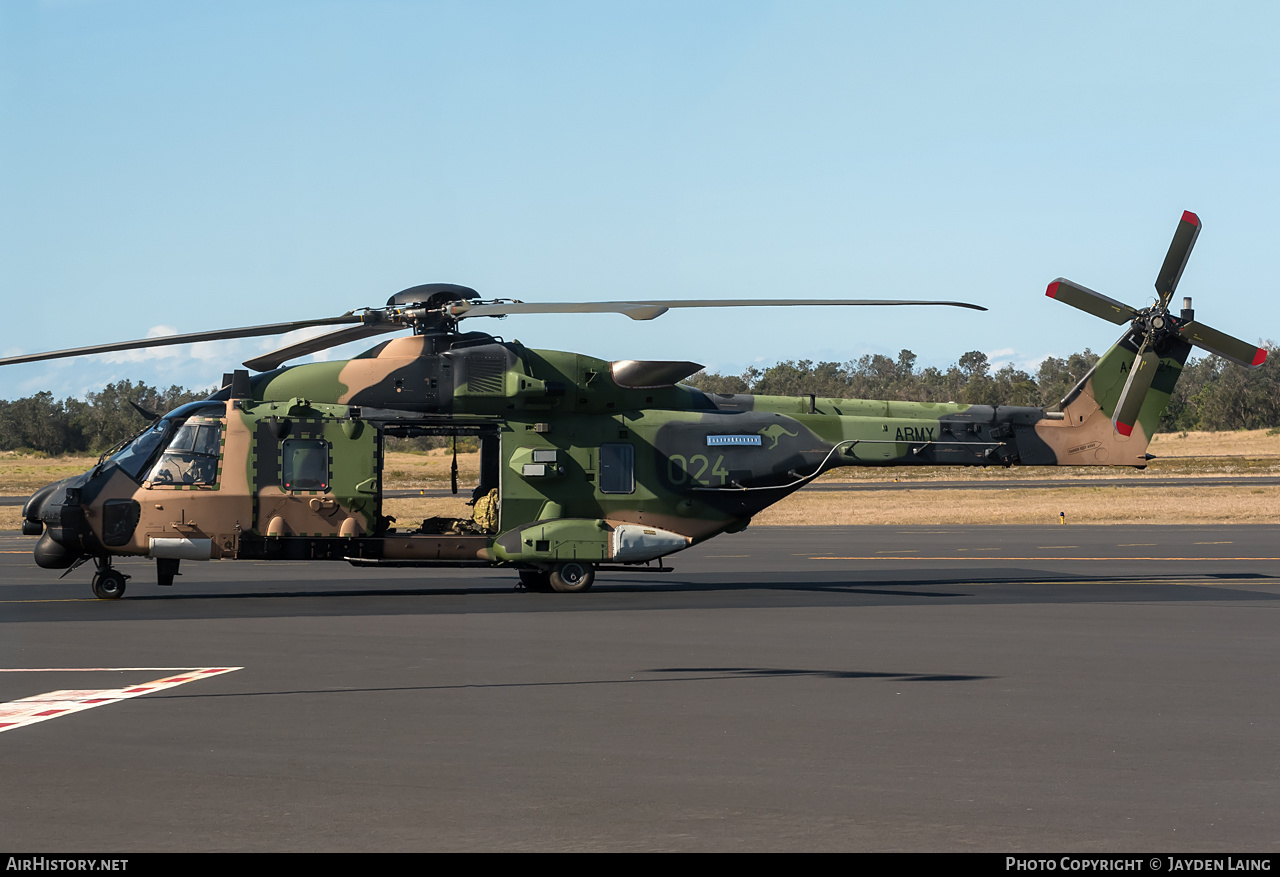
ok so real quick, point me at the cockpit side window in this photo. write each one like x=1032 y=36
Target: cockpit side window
x=191 y=457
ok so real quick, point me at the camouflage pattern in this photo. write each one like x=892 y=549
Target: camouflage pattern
x=585 y=460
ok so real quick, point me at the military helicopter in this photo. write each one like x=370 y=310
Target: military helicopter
x=586 y=464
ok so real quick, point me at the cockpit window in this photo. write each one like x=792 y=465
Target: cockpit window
x=136 y=457
x=191 y=456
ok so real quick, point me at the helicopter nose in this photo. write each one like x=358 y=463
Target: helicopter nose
x=55 y=510
x=33 y=509
x=52 y=554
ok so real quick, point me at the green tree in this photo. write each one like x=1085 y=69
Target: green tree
x=715 y=383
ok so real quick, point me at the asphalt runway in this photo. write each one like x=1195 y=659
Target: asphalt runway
x=1046 y=688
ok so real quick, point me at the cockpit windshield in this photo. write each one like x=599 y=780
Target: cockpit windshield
x=135 y=457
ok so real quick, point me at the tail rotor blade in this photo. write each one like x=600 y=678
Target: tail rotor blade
x=1090 y=302
x=1222 y=344
x=1135 y=390
x=1176 y=259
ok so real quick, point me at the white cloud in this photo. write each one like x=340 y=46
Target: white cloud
x=296 y=336
x=998 y=359
x=216 y=351
x=146 y=353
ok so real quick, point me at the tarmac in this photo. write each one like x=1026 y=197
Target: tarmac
x=1033 y=688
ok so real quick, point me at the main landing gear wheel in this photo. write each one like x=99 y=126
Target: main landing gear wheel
x=108 y=584
x=573 y=577
x=536 y=580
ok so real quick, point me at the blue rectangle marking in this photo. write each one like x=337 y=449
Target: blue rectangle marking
x=713 y=440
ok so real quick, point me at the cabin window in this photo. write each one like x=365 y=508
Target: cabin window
x=191 y=457
x=304 y=464
x=617 y=468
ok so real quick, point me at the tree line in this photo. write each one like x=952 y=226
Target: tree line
x=90 y=425
x=1212 y=394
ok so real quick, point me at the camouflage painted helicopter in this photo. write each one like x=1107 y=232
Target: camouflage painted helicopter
x=585 y=464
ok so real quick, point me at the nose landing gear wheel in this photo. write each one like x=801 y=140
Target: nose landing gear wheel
x=108 y=584
x=573 y=577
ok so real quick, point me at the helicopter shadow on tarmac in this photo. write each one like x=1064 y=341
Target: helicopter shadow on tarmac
x=662 y=676
x=711 y=590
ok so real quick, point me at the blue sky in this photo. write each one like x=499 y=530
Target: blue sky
x=172 y=167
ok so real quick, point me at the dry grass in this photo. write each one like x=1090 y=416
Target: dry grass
x=1102 y=504
x=1178 y=455
x=408 y=470
x=1243 y=453
x=1245 y=442
x=1082 y=505
x=414 y=510
x=21 y=476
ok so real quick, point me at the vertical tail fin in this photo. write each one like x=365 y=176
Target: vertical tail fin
x=1113 y=412
x=1089 y=433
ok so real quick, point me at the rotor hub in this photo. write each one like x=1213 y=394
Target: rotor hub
x=1156 y=325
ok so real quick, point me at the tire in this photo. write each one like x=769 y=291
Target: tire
x=535 y=580
x=108 y=585
x=573 y=577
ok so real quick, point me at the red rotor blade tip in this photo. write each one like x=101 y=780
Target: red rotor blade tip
x=1260 y=357
x=1124 y=428
x=1188 y=216
x=1052 y=291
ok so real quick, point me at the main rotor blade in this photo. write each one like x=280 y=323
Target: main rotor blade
x=189 y=338
x=281 y=355
x=1176 y=259
x=1090 y=302
x=1222 y=344
x=648 y=310
x=1135 y=390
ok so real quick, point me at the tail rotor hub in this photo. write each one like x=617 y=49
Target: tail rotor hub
x=1156 y=325
x=1154 y=332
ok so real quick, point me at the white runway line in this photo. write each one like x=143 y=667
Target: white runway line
x=52 y=704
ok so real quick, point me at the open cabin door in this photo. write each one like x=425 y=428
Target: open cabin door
x=483 y=431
